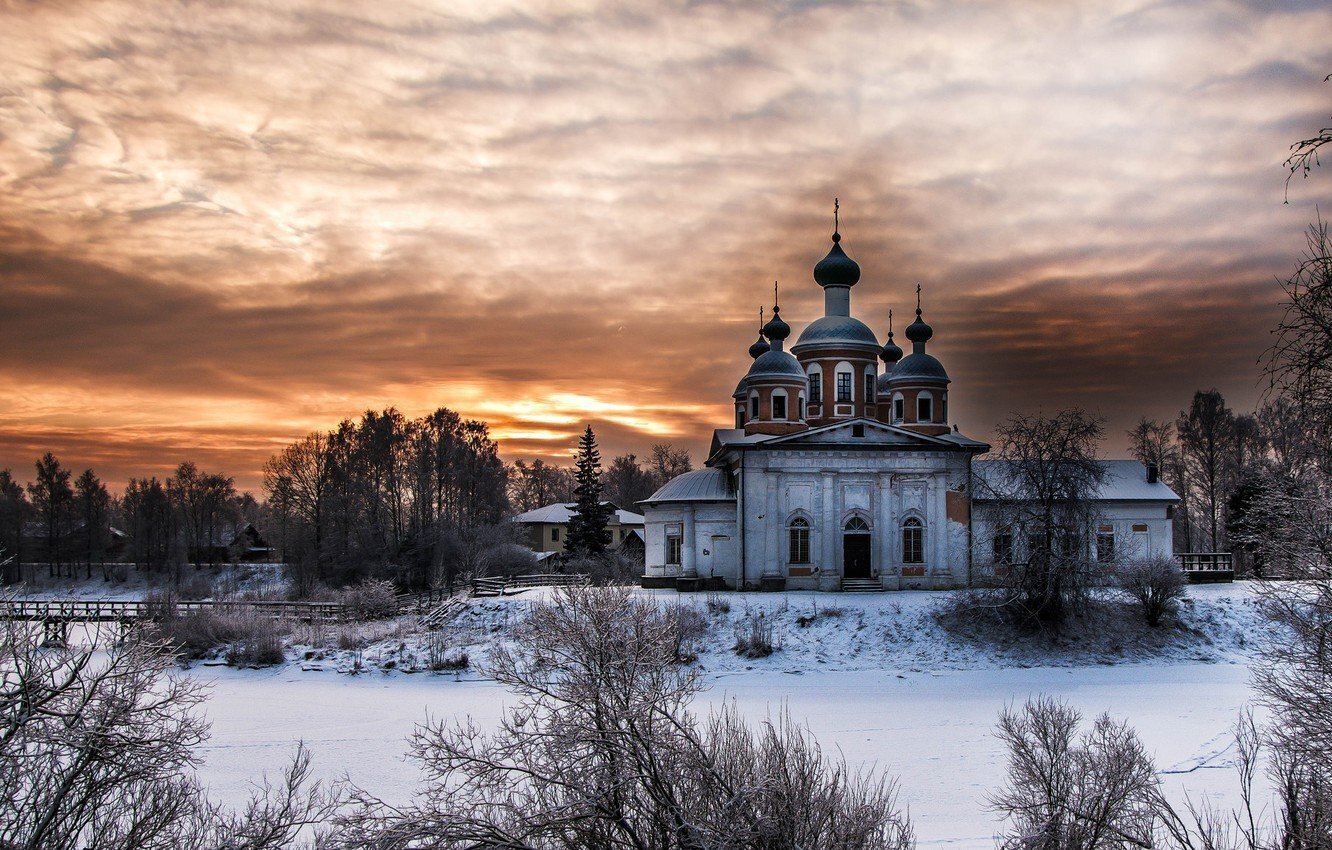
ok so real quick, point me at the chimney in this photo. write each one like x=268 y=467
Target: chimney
x=1153 y=473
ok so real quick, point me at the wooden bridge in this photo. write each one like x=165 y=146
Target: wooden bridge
x=56 y=615
x=508 y=585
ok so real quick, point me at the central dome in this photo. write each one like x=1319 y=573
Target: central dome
x=837 y=269
x=831 y=330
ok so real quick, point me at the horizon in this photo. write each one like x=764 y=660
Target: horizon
x=226 y=227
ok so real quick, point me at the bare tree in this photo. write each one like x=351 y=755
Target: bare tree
x=1090 y=791
x=1156 y=584
x=97 y=749
x=1304 y=153
x=1206 y=438
x=1043 y=489
x=601 y=751
x=666 y=462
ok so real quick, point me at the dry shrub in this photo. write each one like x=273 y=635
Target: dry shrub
x=718 y=605
x=1156 y=584
x=252 y=639
x=372 y=599
x=757 y=643
x=688 y=626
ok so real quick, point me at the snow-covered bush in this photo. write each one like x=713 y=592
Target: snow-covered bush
x=1156 y=584
x=600 y=750
x=1064 y=790
x=372 y=599
x=99 y=750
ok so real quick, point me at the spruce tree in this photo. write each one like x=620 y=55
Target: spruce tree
x=587 y=527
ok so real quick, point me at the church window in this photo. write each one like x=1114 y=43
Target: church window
x=816 y=387
x=943 y=410
x=1003 y=547
x=1105 y=544
x=800 y=408
x=674 y=547
x=843 y=386
x=856 y=525
x=798 y=541
x=899 y=408
x=778 y=405
x=754 y=407
x=869 y=387
x=739 y=416
x=913 y=542
x=924 y=409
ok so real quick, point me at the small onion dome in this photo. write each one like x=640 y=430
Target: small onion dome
x=760 y=346
x=837 y=269
x=919 y=367
x=892 y=352
x=776 y=330
x=918 y=331
x=776 y=364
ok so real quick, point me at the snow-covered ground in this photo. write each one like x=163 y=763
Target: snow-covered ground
x=876 y=678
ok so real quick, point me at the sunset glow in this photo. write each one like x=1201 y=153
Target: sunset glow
x=224 y=225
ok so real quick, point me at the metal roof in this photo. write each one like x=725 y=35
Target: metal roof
x=701 y=485
x=560 y=512
x=831 y=330
x=1125 y=481
x=920 y=365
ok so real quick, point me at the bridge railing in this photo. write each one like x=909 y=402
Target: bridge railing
x=111 y=610
x=504 y=585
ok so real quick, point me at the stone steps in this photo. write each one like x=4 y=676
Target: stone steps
x=861 y=585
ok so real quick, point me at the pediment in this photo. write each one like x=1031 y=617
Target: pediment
x=871 y=433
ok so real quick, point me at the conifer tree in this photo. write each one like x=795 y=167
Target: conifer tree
x=587 y=526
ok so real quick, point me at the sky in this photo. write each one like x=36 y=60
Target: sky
x=226 y=224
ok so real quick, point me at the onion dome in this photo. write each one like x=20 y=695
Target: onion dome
x=776 y=330
x=837 y=269
x=919 y=331
x=919 y=366
x=741 y=389
x=760 y=346
x=892 y=352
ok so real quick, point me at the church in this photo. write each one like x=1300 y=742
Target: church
x=844 y=474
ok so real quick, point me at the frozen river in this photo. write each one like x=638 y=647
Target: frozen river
x=933 y=730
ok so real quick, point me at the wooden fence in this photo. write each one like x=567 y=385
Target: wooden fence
x=507 y=585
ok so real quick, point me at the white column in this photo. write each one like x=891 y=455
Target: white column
x=829 y=531
x=689 y=555
x=771 y=534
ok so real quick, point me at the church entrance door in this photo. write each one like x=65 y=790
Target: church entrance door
x=856 y=550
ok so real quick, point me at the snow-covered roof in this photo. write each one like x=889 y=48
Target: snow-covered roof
x=560 y=512
x=1125 y=481
x=701 y=485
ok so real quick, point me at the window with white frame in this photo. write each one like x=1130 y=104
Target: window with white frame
x=815 y=386
x=899 y=407
x=800 y=408
x=913 y=541
x=779 y=404
x=924 y=408
x=843 y=386
x=1002 y=547
x=797 y=541
x=869 y=387
x=674 y=546
x=754 y=406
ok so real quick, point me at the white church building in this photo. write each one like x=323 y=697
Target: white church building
x=840 y=474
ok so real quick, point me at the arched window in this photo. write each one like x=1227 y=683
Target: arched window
x=924 y=408
x=913 y=542
x=899 y=407
x=943 y=409
x=870 y=378
x=800 y=408
x=753 y=406
x=739 y=416
x=845 y=378
x=815 y=385
x=856 y=525
x=797 y=534
x=779 y=404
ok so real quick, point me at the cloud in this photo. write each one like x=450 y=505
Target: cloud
x=226 y=225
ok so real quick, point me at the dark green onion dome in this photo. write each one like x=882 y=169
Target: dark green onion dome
x=837 y=269
x=918 y=331
x=776 y=330
x=892 y=352
x=760 y=346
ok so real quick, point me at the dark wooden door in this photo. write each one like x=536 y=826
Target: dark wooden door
x=856 y=555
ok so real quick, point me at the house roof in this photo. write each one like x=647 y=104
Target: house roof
x=560 y=512
x=701 y=485
x=1125 y=481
